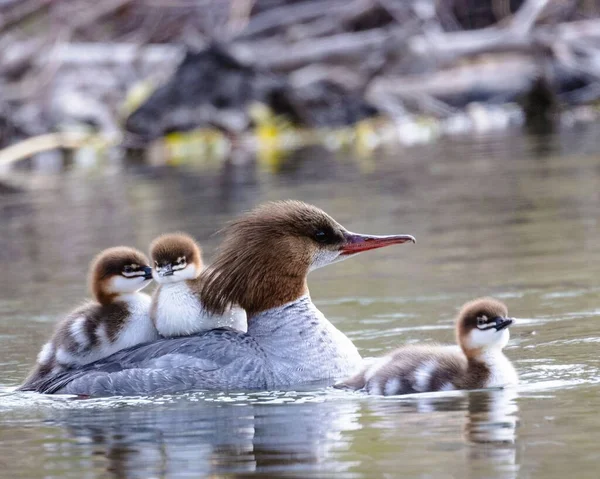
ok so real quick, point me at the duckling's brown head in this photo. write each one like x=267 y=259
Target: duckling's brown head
x=118 y=270
x=175 y=257
x=267 y=253
x=483 y=324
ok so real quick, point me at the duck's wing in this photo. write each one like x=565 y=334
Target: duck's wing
x=144 y=381
x=215 y=359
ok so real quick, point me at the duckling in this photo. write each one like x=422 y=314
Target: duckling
x=117 y=319
x=176 y=308
x=481 y=332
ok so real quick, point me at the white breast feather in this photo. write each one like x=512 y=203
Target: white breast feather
x=139 y=327
x=179 y=312
x=502 y=372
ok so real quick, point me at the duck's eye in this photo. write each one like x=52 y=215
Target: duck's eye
x=180 y=260
x=127 y=269
x=482 y=320
x=321 y=236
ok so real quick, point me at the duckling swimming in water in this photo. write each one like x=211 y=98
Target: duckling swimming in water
x=117 y=319
x=177 y=309
x=481 y=332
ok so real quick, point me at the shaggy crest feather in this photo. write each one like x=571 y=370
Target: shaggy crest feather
x=276 y=236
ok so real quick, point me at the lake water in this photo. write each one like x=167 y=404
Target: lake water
x=510 y=216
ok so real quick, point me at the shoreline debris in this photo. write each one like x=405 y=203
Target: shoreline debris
x=146 y=69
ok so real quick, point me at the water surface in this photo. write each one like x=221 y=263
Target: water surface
x=509 y=216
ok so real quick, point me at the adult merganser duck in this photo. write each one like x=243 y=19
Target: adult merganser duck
x=262 y=267
x=176 y=306
x=117 y=319
x=481 y=332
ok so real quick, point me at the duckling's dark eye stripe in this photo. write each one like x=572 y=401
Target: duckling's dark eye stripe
x=485 y=328
x=132 y=274
x=490 y=323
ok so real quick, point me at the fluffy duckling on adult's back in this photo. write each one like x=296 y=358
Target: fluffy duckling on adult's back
x=177 y=309
x=117 y=319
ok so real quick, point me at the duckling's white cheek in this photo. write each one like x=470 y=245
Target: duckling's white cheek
x=189 y=272
x=480 y=339
x=120 y=284
x=325 y=257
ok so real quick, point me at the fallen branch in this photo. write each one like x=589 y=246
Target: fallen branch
x=335 y=47
x=102 y=9
x=51 y=141
x=497 y=77
x=515 y=35
x=289 y=15
x=21 y=10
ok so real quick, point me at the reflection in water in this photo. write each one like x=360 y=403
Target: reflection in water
x=196 y=436
x=433 y=422
x=199 y=438
x=490 y=430
x=492 y=417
